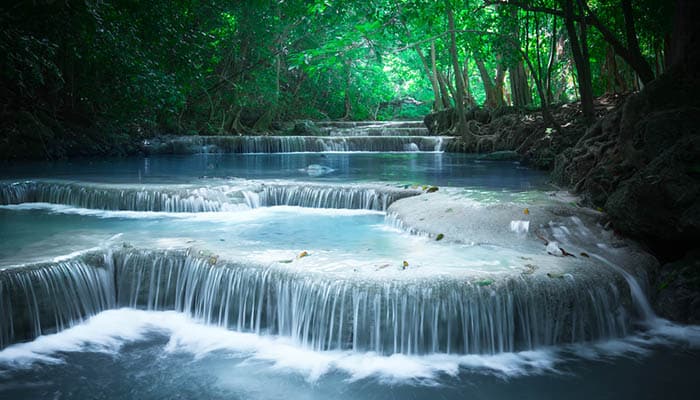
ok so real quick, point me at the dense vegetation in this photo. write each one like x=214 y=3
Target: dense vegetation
x=81 y=76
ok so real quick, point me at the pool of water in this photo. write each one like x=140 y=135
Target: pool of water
x=442 y=169
x=335 y=240
x=124 y=354
x=242 y=209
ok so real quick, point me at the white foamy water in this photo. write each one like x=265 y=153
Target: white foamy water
x=239 y=213
x=108 y=331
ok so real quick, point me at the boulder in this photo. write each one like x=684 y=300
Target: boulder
x=305 y=128
x=677 y=290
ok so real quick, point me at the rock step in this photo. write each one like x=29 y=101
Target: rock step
x=376 y=131
x=378 y=124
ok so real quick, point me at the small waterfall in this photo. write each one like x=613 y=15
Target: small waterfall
x=389 y=316
x=330 y=196
x=114 y=198
x=638 y=296
x=293 y=144
x=373 y=128
x=49 y=297
x=392 y=316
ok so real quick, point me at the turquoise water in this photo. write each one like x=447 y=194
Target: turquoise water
x=443 y=169
x=128 y=353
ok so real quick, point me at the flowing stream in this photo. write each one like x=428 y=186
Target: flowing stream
x=361 y=264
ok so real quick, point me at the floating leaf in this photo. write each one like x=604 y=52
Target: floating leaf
x=432 y=189
x=440 y=236
x=584 y=255
x=404 y=265
x=526 y=211
x=566 y=253
x=213 y=260
x=484 y=282
x=303 y=254
x=424 y=187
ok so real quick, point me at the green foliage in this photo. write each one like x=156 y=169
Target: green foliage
x=182 y=66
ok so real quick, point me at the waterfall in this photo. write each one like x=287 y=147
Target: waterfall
x=638 y=297
x=294 y=144
x=370 y=197
x=385 y=316
x=115 y=198
x=373 y=128
x=367 y=197
x=49 y=297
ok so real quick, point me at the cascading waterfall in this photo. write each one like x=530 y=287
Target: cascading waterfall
x=373 y=128
x=115 y=198
x=404 y=316
x=254 y=195
x=294 y=144
x=319 y=196
x=414 y=317
x=50 y=297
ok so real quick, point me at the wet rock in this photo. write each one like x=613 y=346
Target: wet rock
x=677 y=289
x=661 y=202
x=306 y=128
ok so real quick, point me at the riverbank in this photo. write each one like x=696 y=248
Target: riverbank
x=638 y=163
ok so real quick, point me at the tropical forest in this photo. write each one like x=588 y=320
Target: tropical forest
x=345 y=199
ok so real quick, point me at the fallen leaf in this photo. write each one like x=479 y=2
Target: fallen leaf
x=440 y=236
x=303 y=254
x=432 y=189
x=526 y=211
x=585 y=255
x=566 y=253
x=404 y=264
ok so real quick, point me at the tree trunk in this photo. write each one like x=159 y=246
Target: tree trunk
x=631 y=54
x=684 y=51
x=348 y=102
x=489 y=87
x=461 y=128
x=520 y=90
x=444 y=92
x=583 y=67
